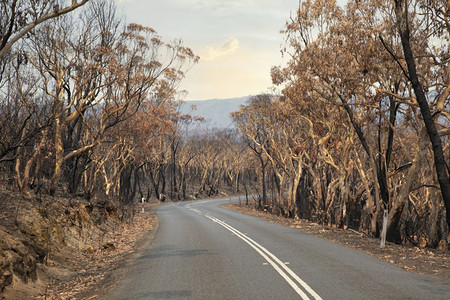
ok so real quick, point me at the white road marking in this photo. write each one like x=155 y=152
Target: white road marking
x=188 y=206
x=273 y=260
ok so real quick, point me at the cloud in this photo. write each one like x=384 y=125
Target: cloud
x=229 y=47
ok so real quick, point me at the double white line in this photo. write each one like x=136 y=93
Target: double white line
x=277 y=264
x=188 y=206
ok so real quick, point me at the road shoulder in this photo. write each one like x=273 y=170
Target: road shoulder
x=413 y=259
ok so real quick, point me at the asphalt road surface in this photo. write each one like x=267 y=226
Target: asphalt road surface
x=203 y=251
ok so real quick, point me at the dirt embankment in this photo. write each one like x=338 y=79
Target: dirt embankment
x=61 y=248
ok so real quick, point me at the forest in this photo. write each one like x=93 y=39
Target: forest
x=89 y=107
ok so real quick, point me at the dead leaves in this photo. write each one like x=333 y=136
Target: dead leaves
x=93 y=269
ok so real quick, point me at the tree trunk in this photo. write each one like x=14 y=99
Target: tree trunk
x=297 y=177
x=401 y=12
x=434 y=232
x=393 y=233
x=263 y=181
x=155 y=183
x=36 y=153
x=162 y=195
x=59 y=157
x=344 y=196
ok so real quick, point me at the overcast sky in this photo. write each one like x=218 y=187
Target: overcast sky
x=238 y=41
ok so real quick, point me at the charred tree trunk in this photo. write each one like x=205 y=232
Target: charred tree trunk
x=155 y=183
x=162 y=177
x=128 y=185
x=401 y=12
x=393 y=230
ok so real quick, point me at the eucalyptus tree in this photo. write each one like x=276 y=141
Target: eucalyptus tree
x=249 y=120
x=350 y=57
x=419 y=22
x=18 y=20
x=91 y=75
x=20 y=17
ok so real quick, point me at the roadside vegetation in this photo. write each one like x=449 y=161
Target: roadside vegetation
x=90 y=125
x=362 y=123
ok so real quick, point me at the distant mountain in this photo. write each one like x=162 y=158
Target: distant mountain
x=215 y=111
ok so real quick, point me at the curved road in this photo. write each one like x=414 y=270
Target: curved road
x=203 y=251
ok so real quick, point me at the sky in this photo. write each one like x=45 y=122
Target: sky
x=238 y=41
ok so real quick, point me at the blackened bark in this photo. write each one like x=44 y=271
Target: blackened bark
x=393 y=108
x=154 y=183
x=401 y=12
x=12 y=21
x=393 y=230
x=381 y=174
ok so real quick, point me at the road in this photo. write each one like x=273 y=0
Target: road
x=203 y=251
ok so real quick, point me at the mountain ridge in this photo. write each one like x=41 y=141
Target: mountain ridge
x=216 y=112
